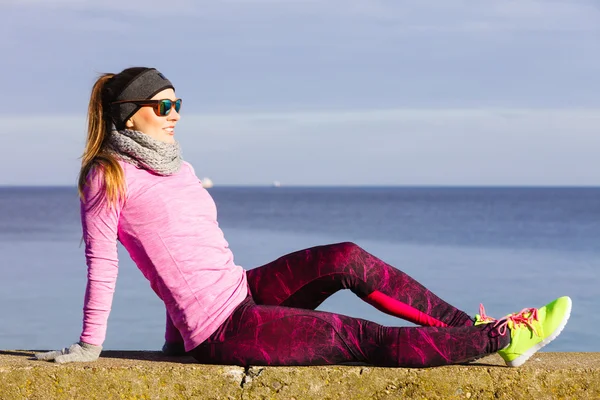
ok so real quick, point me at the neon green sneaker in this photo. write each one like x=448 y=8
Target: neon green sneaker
x=531 y=329
x=482 y=317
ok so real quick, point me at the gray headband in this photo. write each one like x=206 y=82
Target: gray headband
x=143 y=87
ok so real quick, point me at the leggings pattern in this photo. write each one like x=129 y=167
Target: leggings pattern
x=306 y=278
x=277 y=324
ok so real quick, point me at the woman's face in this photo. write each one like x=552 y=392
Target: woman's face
x=160 y=128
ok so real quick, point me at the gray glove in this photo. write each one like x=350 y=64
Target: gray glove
x=78 y=352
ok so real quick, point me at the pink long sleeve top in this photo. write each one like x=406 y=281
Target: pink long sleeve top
x=168 y=224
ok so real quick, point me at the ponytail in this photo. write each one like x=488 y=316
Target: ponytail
x=95 y=155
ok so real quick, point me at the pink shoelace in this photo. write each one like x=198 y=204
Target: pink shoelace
x=524 y=317
x=483 y=316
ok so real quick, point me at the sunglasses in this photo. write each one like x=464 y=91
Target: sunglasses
x=162 y=108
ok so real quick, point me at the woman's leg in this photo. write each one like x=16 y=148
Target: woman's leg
x=305 y=278
x=271 y=335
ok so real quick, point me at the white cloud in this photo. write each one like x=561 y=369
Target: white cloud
x=139 y=7
x=402 y=16
x=395 y=146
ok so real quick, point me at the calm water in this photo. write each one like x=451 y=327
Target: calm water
x=509 y=248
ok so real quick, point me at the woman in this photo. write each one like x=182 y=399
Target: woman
x=135 y=188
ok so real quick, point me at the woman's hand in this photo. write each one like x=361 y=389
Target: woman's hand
x=174 y=349
x=78 y=352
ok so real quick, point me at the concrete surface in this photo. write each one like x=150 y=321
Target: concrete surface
x=149 y=375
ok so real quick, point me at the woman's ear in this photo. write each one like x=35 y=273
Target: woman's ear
x=129 y=124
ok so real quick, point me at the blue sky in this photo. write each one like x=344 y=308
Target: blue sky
x=319 y=92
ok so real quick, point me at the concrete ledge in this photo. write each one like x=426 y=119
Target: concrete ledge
x=149 y=375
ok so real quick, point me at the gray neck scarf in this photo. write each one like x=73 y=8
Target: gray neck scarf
x=141 y=150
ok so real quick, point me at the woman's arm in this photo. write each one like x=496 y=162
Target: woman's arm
x=172 y=334
x=100 y=223
x=173 y=341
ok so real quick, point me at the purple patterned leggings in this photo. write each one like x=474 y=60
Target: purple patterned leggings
x=277 y=324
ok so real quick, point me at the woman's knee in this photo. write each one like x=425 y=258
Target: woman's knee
x=348 y=249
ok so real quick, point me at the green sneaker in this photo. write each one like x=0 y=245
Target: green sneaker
x=531 y=329
x=482 y=317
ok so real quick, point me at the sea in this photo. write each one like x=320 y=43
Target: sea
x=507 y=248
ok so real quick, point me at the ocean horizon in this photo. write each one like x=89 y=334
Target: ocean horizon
x=508 y=247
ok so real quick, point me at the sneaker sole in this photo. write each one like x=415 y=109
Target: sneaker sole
x=517 y=362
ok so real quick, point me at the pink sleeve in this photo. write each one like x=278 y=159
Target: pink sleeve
x=99 y=222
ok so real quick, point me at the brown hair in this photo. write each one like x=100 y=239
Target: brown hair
x=99 y=122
